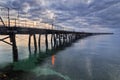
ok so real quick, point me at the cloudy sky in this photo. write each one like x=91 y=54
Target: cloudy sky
x=83 y=15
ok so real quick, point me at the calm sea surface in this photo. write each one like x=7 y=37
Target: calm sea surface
x=91 y=58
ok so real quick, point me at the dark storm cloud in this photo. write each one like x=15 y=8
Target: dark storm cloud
x=108 y=11
x=88 y=14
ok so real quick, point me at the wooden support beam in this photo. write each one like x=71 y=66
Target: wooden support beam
x=7 y=42
x=59 y=39
x=35 y=43
x=39 y=42
x=4 y=38
x=14 y=48
x=29 y=43
x=66 y=38
x=54 y=40
x=52 y=45
x=57 y=43
x=62 y=35
x=46 y=41
x=69 y=38
x=2 y=21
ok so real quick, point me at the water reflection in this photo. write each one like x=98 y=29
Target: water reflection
x=33 y=66
x=93 y=58
x=53 y=60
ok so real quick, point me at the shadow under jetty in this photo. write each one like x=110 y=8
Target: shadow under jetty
x=24 y=69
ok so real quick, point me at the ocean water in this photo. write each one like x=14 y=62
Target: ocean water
x=92 y=58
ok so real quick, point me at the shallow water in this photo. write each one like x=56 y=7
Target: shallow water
x=91 y=58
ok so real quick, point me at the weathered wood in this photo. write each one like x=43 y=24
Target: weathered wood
x=29 y=43
x=46 y=41
x=39 y=42
x=35 y=43
x=55 y=41
x=14 y=48
x=51 y=40
x=25 y=30
x=58 y=37
x=60 y=40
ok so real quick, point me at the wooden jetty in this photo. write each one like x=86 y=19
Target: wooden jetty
x=58 y=37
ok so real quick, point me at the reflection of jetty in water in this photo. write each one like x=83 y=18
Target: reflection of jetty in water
x=28 y=66
x=58 y=41
x=57 y=44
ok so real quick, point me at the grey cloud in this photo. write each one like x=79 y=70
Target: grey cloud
x=73 y=13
